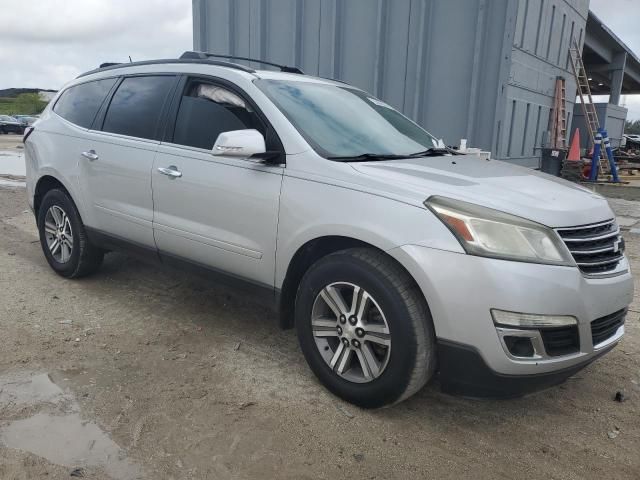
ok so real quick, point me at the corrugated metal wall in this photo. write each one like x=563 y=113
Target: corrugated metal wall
x=445 y=63
x=543 y=32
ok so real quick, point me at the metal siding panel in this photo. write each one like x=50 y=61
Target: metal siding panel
x=426 y=51
x=521 y=22
x=476 y=69
x=525 y=130
x=539 y=26
x=281 y=35
x=218 y=26
x=392 y=73
x=490 y=100
x=532 y=77
x=199 y=24
x=550 y=32
x=563 y=43
x=415 y=54
x=328 y=38
x=357 y=30
x=241 y=29
x=450 y=68
x=257 y=21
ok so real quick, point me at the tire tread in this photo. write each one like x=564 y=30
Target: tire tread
x=419 y=315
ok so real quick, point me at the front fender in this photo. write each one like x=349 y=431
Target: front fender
x=310 y=210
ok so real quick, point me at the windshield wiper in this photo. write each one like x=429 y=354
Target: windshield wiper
x=366 y=157
x=433 y=152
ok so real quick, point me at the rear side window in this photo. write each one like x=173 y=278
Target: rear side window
x=79 y=104
x=136 y=106
x=207 y=110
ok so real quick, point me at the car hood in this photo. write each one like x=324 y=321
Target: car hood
x=499 y=185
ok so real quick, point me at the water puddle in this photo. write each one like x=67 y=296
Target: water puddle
x=7 y=182
x=12 y=163
x=56 y=430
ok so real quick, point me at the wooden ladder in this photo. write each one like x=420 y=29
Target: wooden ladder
x=558 y=117
x=584 y=92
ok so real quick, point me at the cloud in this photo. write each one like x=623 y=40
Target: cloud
x=45 y=44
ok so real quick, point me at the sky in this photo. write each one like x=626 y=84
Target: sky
x=45 y=43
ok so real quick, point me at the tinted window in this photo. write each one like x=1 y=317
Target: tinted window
x=79 y=104
x=207 y=110
x=135 y=107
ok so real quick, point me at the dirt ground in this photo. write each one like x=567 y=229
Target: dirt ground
x=137 y=372
x=11 y=140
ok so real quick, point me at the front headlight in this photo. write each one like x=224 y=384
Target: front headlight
x=490 y=233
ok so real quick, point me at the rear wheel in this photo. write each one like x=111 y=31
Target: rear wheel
x=365 y=328
x=63 y=237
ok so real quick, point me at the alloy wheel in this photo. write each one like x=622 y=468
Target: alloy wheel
x=351 y=332
x=58 y=234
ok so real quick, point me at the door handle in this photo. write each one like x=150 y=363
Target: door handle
x=171 y=171
x=91 y=155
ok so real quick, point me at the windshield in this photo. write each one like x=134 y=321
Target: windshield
x=342 y=122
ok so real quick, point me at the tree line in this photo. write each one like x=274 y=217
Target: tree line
x=23 y=104
x=632 y=127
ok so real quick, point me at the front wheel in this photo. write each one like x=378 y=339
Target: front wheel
x=365 y=328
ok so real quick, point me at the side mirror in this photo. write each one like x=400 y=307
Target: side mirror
x=239 y=143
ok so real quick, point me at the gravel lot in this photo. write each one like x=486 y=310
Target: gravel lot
x=138 y=372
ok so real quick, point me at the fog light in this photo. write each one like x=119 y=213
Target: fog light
x=531 y=320
x=519 y=346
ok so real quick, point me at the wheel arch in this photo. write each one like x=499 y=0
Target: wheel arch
x=48 y=182
x=304 y=257
x=43 y=185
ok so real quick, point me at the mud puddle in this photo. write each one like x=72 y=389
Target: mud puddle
x=12 y=163
x=54 y=428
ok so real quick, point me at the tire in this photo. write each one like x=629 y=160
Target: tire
x=79 y=259
x=395 y=312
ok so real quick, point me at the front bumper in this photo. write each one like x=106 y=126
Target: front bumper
x=463 y=372
x=462 y=289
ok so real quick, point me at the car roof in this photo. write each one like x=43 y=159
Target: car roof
x=197 y=66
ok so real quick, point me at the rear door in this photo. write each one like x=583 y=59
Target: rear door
x=222 y=212
x=118 y=157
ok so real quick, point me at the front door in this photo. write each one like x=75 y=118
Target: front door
x=218 y=212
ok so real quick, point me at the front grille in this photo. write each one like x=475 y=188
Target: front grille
x=606 y=327
x=597 y=248
x=560 y=340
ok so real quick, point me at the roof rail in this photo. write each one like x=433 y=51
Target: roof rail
x=112 y=66
x=205 y=55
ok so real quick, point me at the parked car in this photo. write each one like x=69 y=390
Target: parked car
x=10 y=124
x=26 y=120
x=630 y=141
x=393 y=258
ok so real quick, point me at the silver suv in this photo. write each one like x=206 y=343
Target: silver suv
x=394 y=258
